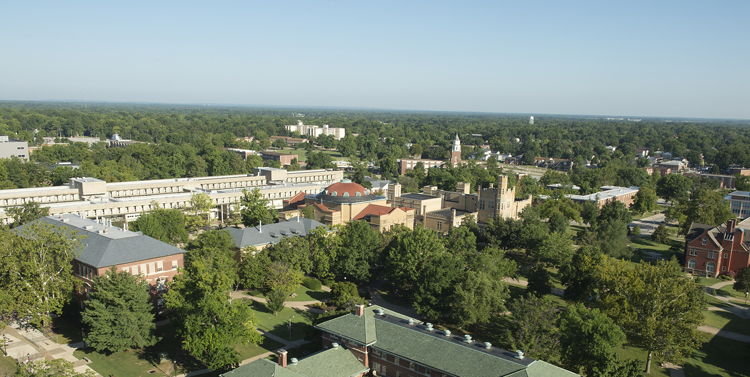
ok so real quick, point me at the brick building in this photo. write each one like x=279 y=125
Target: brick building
x=284 y=159
x=716 y=250
x=106 y=246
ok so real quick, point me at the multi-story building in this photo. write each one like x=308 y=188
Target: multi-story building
x=315 y=131
x=106 y=246
x=442 y=220
x=739 y=203
x=346 y=201
x=13 y=148
x=406 y=164
x=715 y=250
x=500 y=201
x=94 y=198
x=265 y=235
x=284 y=159
x=390 y=344
x=422 y=203
x=607 y=195
x=288 y=140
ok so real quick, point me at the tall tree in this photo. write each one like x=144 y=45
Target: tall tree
x=256 y=209
x=673 y=187
x=25 y=213
x=37 y=269
x=49 y=368
x=460 y=240
x=200 y=205
x=532 y=328
x=283 y=277
x=540 y=281
x=436 y=285
x=580 y=275
x=556 y=250
x=253 y=268
x=357 y=251
x=119 y=313
x=166 y=225
x=705 y=206
x=588 y=339
x=408 y=252
x=344 y=295
x=656 y=305
x=644 y=201
x=478 y=298
x=742 y=280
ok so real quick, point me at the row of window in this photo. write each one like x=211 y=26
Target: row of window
x=711 y=253
x=148 y=268
x=710 y=266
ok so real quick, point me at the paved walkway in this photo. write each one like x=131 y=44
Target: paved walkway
x=648 y=224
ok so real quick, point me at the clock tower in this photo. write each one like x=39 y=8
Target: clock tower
x=456 y=152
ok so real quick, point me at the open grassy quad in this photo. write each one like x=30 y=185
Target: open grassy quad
x=647 y=245
x=726 y=321
x=718 y=357
x=302 y=154
x=148 y=362
x=707 y=282
x=302 y=294
x=713 y=301
x=277 y=324
x=731 y=292
x=636 y=353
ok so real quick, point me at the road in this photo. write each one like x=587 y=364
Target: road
x=648 y=224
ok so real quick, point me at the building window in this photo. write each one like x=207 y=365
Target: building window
x=398 y=373
x=726 y=255
x=691 y=264
x=396 y=360
x=703 y=241
x=710 y=267
x=439 y=225
x=723 y=268
x=412 y=366
x=692 y=251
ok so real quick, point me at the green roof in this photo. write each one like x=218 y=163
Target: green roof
x=361 y=329
x=334 y=362
x=541 y=368
x=260 y=367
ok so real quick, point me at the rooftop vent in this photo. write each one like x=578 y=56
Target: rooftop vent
x=447 y=332
x=283 y=232
x=379 y=311
x=411 y=321
x=294 y=361
x=519 y=355
x=88 y=227
x=102 y=231
x=295 y=231
x=272 y=234
x=467 y=338
x=429 y=326
x=335 y=345
x=65 y=220
x=487 y=345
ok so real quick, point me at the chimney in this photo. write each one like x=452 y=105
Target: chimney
x=359 y=310
x=487 y=345
x=294 y=361
x=731 y=224
x=282 y=358
x=260 y=227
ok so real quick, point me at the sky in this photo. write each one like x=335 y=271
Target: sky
x=631 y=58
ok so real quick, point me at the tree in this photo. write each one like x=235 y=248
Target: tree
x=590 y=212
x=555 y=250
x=558 y=223
x=615 y=210
x=588 y=338
x=200 y=205
x=279 y=143
x=256 y=209
x=611 y=237
x=357 y=253
x=253 y=268
x=344 y=295
x=324 y=248
x=119 y=313
x=436 y=285
x=579 y=276
x=319 y=160
x=275 y=300
x=742 y=280
x=656 y=305
x=282 y=277
x=532 y=327
x=705 y=206
x=294 y=166
x=416 y=150
x=673 y=187
x=293 y=251
x=540 y=281
x=644 y=201
x=308 y=212
x=408 y=252
x=660 y=234
x=37 y=269
x=479 y=297
x=504 y=232
x=742 y=182
x=209 y=325
x=50 y=368
x=25 y=213
x=166 y=225
x=460 y=241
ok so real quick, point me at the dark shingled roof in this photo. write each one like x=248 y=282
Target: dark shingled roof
x=112 y=248
x=273 y=233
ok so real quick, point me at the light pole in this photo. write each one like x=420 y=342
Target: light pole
x=5 y=342
x=174 y=367
x=746 y=298
x=290 y=327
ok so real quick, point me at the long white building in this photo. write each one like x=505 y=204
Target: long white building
x=91 y=197
x=315 y=131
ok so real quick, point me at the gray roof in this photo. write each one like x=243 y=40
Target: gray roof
x=447 y=212
x=273 y=233
x=107 y=246
x=416 y=196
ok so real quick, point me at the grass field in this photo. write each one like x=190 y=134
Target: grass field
x=719 y=357
x=731 y=292
x=277 y=324
x=636 y=353
x=726 y=321
x=302 y=154
x=67 y=330
x=303 y=294
x=707 y=282
x=8 y=366
x=713 y=301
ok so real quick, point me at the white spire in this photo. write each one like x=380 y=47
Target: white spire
x=456 y=144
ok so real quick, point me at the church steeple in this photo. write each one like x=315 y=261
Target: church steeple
x=456 y=144
x=456 y=152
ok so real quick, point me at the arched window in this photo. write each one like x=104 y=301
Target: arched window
x=346 y=194
x=333 y=193
x=710 y=267
x=691 y=264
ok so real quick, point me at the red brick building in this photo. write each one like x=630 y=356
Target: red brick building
x=716 y=250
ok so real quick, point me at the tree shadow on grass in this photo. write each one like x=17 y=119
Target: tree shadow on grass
x=319 y=295
x=718 y=357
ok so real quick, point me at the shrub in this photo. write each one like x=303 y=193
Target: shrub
x=725 y=277
x=636 y=231
x=312 y=283
x=328 y=282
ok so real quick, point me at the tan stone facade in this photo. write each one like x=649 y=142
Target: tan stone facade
x=500 y=201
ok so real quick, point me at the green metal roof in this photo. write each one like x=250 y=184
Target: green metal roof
x=334 y=362
x=260 y=367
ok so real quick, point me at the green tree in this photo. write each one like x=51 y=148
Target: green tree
x=319 y=160
x=673 y=187
x=25 y=213
x=478 y=298
x=540 y=281
x=660 y=234
x=279 y=143
x=742 y=182
x=275 y=299
x=308 y=212
x=324 y=248
x=644 y=201
x=37 y=269
x=293 y=251
x=119 y=313
x=282 y=277
x=294 y=166
x=532 y=328
x=256 y=209
x=742 y=280
x=198 y=215
x=556 y=250
x=590 y=212
x=50 y=368
x=588 y=339
x=344 y=295
x=611 y=237
x=408 y=252
x=580 y=275
x=558 y=223
x=460 y=240
x=416 y=150
x=656 y=305
x=357 y=253
x=615 y=210
x=209 y=325
x=504 y=232
x=705 y=206
x=435 y=287
x=253 y=268
x=166 y=225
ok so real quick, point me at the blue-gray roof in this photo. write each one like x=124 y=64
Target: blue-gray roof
x=272 y=233
x=106 y=246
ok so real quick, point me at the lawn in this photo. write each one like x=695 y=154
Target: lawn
x=726 y=321
x=302 y=154
x=277 y=324
x=713 y=301
x=731 y=292
x=707 y=282
x=303 y=294
x=645 y=244
x=637 y=353
x=8 y=366
x=251 y=350
x=719 y=357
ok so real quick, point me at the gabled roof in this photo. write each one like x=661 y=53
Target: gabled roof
x=296 y=200
x=374 y=210
x=333 y=362
x=260 y=367
x=273 y=233
x=115 y=247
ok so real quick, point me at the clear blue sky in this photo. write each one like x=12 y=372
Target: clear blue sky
x=639 y=58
